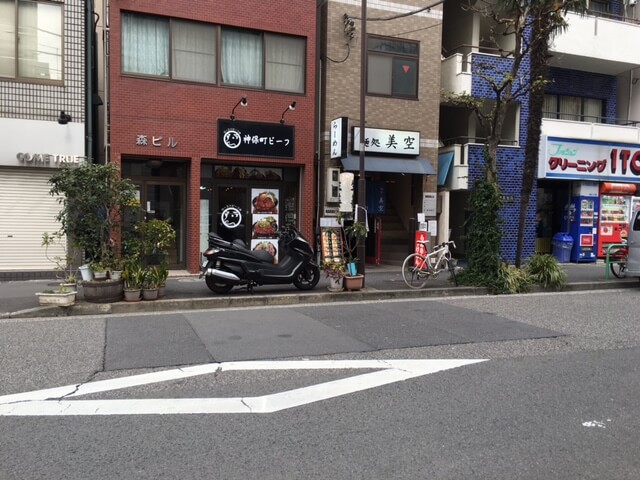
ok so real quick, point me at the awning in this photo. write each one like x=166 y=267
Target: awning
x=444 y=164
x=419 y=165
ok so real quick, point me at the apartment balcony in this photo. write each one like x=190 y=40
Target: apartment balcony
x=598 y=44
x=453 y=167
x=628 y=132
x=455 y=74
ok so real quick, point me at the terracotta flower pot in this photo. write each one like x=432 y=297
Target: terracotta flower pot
x=353 y=282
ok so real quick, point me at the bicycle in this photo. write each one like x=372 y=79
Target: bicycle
x=418 y=268
x=618 y=262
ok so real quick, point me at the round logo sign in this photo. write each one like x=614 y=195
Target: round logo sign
x=232 y=139
x=231 y=217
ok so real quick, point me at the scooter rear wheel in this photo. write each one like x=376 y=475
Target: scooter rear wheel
x=308 y=278
x=216 y=285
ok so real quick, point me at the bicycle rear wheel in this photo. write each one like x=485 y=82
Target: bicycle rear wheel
x=415 y=271
x=618 y=269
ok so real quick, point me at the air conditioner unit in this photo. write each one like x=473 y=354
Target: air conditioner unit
x=332 y=187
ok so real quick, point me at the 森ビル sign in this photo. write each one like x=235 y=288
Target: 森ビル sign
x=255 y=139
x=568 y=158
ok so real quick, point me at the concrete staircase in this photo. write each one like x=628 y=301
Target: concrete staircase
x=395 y=238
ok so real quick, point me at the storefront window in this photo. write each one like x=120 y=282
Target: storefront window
x=247 y=203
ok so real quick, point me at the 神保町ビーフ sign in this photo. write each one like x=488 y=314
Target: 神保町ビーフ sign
x=255 y=139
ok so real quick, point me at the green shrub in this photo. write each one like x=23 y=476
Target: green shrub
x=545 y=270
x=511 y=280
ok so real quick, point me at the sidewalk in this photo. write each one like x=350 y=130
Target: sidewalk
x=187 y=292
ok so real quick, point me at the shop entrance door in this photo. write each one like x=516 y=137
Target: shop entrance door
x=232 y=213
x=166 y=202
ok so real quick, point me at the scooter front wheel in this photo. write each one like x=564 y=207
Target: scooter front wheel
x=216 y=285
x=308 y=278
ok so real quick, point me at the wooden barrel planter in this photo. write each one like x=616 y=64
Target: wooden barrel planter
x=103 y=291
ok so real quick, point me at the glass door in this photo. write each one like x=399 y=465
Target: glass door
x=166 y=202
x=232 y=213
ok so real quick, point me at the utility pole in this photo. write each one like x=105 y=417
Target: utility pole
x=362 y=198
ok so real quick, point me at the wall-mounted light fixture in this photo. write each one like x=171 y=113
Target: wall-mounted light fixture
x=291 y=107
x=243 y=102
x=154 y=163
x=64 y=118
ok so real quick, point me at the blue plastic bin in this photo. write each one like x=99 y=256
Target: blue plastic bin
x=562 y=244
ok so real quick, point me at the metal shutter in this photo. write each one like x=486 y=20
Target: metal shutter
x=26 y=212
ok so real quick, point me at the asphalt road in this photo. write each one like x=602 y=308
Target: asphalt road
x=556 y=397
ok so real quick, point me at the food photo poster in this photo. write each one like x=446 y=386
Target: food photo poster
x=265 y=201
x=269 y=245
x=264 y=235
x=264 y=226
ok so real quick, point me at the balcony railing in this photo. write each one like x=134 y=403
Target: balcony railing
x=617 y=130
x=590 y=119
x=462 y=140
x=613 y=16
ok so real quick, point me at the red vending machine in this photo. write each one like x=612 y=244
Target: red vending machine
x=615 y=207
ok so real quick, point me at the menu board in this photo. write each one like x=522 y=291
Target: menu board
x=332 y=244
x=264 y=221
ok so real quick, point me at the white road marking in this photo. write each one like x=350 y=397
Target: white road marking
x=54 y=401
x=595 y=423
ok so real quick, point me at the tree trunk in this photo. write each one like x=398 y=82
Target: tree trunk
x=539 y=51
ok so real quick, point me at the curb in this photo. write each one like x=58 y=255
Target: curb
x=249 y=300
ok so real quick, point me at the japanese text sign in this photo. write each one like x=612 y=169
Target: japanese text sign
x=566 y=158
x=398 y=142
x=255 y=139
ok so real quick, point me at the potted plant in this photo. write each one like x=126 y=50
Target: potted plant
x=99 y=270
x=62 y=297
x=163 y=275
x=91 y=195
x=150 y=283
x=133 y=276
x=334 y=270
x=354 y=234
x=115 y=268
x=64 y=264
x=155 y=237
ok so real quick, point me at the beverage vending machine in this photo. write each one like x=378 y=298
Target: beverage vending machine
x=615 y=209
x=582 y=227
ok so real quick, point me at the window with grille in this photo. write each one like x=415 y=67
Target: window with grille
x=31 y=41
x=392 y=67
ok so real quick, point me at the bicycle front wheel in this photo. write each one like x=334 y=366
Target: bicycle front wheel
x=618 y=269
x=415 y=271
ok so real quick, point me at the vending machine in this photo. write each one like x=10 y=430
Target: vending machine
x=615 y=209
x=582 y=227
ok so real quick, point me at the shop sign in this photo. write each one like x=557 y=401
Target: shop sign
x=429 y=204
x=255 y=139
x=567 y=158
x=231 y=217
x=396 y=142
x=339 y=137
x=155 y=141
x=49 y=160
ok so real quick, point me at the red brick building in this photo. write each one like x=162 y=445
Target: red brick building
x=178 y=126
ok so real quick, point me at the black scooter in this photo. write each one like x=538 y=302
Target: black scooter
x=230 y=264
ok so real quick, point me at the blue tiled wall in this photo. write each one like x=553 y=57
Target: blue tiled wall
x=510 y=162
x=585 y=84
